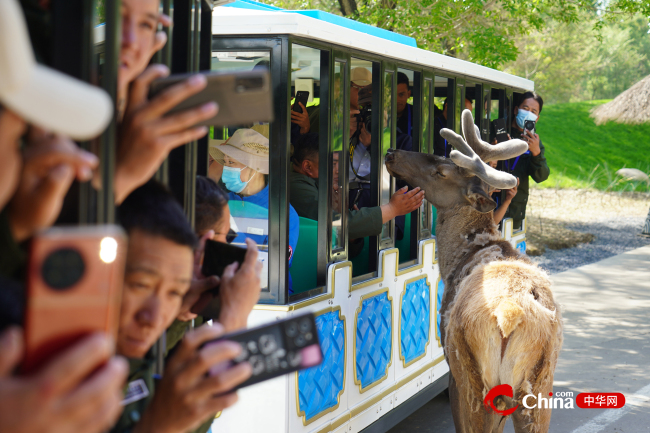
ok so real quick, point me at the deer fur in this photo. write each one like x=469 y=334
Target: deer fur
x=500 y=323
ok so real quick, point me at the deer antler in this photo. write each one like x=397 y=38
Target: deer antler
x=473 y=154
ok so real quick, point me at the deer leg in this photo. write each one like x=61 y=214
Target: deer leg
x=458 y=411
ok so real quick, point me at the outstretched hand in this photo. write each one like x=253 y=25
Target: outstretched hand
x=301 y=119
x=401 y=203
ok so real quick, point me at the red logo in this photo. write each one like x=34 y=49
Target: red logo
x=600 y=400
x=495 y=392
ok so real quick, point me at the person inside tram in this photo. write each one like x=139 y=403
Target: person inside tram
x=533 y=162
x=404 y=109
x=360 y=160
x=362 y=222
x=158 y=275
x=440 y=145
x=80 y=388
x=244 y=166
x=146 y=133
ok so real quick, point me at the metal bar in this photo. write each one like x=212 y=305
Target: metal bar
x=107 y=144
x=324 y=170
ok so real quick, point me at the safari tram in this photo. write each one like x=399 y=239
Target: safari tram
x=378 y=308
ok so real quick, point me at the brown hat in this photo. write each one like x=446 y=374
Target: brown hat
x=247 y=146
x=361 y=76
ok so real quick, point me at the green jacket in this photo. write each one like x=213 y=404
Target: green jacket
x=139 y=369
x=304 y=199
x=527 y=166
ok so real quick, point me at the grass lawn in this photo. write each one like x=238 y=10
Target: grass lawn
x=583 y=155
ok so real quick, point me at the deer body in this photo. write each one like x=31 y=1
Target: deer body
x=500 y=323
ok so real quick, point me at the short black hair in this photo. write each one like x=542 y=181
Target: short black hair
x=153 y=209
x=306 y=147
x=402 y=78
x=535 y=96
x=210 y=203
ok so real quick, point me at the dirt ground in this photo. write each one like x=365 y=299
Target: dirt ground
x=549 y=210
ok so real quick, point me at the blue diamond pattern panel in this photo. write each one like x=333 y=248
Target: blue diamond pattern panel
x=415 y=323
x=521 y=246
x=374 y=342
x=439 y=292
x=319 y=387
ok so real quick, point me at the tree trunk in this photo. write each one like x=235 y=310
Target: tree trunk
x=348 y=7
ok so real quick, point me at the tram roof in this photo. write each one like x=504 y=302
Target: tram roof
x=245 y=17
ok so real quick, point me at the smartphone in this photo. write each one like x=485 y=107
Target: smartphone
x=500 y=130
x=301 y=96
x=530 y=125
x=276 y=349
x=74 y=286
x=243 y=97
x=218 y=255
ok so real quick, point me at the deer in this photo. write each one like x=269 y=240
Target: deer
x=500 y=323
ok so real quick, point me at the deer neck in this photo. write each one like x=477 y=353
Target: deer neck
x=459 y=230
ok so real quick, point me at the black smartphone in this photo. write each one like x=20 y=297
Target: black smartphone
x=529 y=125
x=500 y=131
x=301 y=96
x=243 y=97
x=275 y=349
x=218 y=255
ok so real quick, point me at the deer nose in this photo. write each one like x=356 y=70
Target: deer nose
x=390 y=156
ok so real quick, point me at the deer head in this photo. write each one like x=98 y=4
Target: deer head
x=463 y=179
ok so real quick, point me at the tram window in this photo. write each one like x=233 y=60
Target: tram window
x=460 y=103
x=497 y=109
x=386 y=143
x=442 y=100
x=305 y=77
x=470 y=98
x=404 y=102
x=305 y=162
x=239 y=162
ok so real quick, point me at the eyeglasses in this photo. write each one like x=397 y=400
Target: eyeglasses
x=230 y=236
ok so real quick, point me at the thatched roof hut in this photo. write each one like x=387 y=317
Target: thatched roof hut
x=631 y=106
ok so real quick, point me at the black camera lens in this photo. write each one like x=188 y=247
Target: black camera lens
x=63 y=268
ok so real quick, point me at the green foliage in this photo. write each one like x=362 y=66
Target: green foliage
x=100 y=15
x=486 y=32
x=583 y=155
x=569 y=63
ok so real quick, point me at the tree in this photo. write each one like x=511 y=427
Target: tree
x=482 y=31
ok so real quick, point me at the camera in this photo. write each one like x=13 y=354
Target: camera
x=530 y=125
x=365 y=117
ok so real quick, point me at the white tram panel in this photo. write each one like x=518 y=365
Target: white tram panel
x=231 y=21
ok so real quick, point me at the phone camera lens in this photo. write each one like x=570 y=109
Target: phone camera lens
x=63 y=268
x=305 y=326
x=292 y=329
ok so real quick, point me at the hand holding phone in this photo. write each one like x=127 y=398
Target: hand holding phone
x=243 y=97
x=185 y=396
x=239 y=289
x=74 y=286
x=302 y=96
x=274 y=349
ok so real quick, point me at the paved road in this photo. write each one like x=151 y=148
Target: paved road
x=606 y=307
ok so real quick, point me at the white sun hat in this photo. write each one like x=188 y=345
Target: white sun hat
x=41 y=95
x=247 y=146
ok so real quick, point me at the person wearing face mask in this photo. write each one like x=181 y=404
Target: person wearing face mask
x=243 y=161
x=530 y=164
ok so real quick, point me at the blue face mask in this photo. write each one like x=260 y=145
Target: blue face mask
x=523 y=115
x=231 y=177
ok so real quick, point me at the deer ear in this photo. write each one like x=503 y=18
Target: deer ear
x=480 y=200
